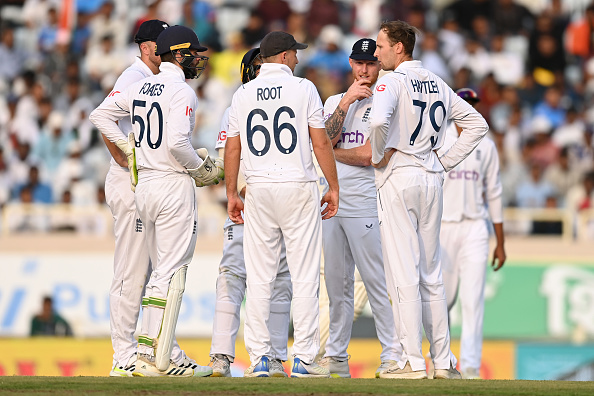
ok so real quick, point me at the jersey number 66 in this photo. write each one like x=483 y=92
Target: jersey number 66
x=276 y=129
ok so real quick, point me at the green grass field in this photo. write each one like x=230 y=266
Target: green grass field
x=279 y=386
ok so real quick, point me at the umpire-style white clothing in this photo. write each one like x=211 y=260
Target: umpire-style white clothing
x=231 y=288
x=471 y=195
x=272 y=115
x=131 y=264
x=352 y=238
x=162 y=109
x=410 y=108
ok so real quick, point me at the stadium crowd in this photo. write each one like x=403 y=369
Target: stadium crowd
x=531 y=62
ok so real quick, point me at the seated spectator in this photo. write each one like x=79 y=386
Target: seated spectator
x=330 y=57
x=562 y=175
x=571 y=131
x=52 y=146
x=550 y=107
x=49 y=322
x=40 y=192
x=534 y=192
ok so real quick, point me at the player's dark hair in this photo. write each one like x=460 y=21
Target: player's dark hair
x=401 y=32
x=167 y=57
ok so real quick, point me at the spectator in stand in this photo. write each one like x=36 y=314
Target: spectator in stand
x=49 y=322
x=464 y=11
x=562 y=175
x=507 y=66
x=534 y=192
x=274 y=12
x=550 y=107
x=511 y=18
x=321 y=14
x=12 y=58
x=432 y=59
x=52 y=146
x=571 y=131
x=40 y=192
x=254 y=31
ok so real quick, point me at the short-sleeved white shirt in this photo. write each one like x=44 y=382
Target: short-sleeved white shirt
x=272 y=115
x=358 y=197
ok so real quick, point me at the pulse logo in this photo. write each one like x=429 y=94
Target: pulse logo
x=369 y=227
x=478 y=155
x=365 y=46
x=138 y=225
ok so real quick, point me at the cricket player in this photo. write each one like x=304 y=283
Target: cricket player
x=232 y=276
x=131 y=265
x=352 y=237
x=272 y=121
x=161 y=108
x=409 y=114
x=471 y=196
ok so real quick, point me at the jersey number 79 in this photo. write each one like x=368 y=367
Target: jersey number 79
x=432 y=109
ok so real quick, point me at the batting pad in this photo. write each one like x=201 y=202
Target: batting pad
x=175 y=293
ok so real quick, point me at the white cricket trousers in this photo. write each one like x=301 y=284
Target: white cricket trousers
x=131 y=264
x=290 y=210
x=167 y=207
x=464 y=254
x=410 y=205
x=231 y=292
x=350 y=242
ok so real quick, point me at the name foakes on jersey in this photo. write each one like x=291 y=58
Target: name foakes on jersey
x=152 y=89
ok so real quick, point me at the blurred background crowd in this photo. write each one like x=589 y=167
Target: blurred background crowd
x=531 y=62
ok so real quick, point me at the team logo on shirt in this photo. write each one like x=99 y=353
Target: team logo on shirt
x=138 y=225
x=366 y=115
x=381 y=87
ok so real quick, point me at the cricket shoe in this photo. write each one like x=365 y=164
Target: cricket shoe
x=277 y=369
x=386 y=365
x=450 y=373
x=337 y=368
x=313 y=370
x=403 y=373
x=145 y=367
x=260 y=369
x=221 y=366
x=119 y=370
x=471 y=373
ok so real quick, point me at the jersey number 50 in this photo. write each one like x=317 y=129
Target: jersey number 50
x=138 y=119
x=276 y=130
x=436 y=128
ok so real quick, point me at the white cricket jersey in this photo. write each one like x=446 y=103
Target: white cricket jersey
x=135 y=72
x=358 y=196
x=410 y=108
x=222 y=138
x=221 y=141
x=471 y=182
x=162 y=109
x=272 y=115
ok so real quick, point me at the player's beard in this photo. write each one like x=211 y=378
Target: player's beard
x=190 y=73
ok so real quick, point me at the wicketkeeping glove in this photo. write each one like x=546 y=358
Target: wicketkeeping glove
x=219 y=163
x=128 y=148
x=206 y=174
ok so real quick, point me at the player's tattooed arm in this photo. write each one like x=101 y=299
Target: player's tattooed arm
x=334 y=124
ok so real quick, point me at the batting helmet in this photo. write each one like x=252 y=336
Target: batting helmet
x=469 y=95
x=180 y=40
x=249 y=70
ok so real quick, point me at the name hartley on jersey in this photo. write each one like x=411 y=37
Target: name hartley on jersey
x=426 y=86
